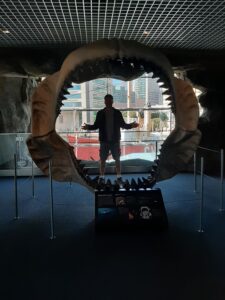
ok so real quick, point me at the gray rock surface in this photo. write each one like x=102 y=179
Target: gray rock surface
x=15 y=95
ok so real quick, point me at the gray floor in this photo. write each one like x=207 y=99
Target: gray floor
x=179 y=263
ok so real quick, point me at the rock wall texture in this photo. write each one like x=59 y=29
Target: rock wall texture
x=15 y=95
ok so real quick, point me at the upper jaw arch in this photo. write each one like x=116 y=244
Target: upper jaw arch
x=111 y=50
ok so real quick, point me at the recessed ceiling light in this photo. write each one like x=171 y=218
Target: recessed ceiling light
x=4 y=31
x=146 y=32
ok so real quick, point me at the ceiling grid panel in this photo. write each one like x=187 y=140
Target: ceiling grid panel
x=99 y=7
x=118 y=17
x=47 y=19
x=197 y=24
x=63 y=19
x=71 y=20
x=135 y=25
x=85 y=22
x=131 y=19
x=105 y=17
x=42 y=30
x=186 y=24
x=78 y=21
x=176 y=19
x=14 y=23
x=143 y=21
x=124 y=19
x=113 y=10
x=158 y=23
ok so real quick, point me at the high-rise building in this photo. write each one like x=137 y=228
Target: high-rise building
x=70 y=118
x=139 y=87
x=98 y=88
x=119 y=92
x=96 y=91
x=75 y=98
x=141 y=92
x=147 y=92
x=153 y=92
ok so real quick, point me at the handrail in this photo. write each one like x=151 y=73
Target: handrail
x=83 y=131
x=121 y=142
x=121 y=109
x=96 y=131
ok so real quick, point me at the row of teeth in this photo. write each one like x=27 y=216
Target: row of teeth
x=102 y=185
x=98 y=184
x=142 y=66
x=102 y=66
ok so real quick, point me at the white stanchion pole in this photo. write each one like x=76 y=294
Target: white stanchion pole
x=201 y=195
x=195 y=175
x=221 y=178
x=156 y=149
x=32 y=172
x=52 y=236
x=15 y=189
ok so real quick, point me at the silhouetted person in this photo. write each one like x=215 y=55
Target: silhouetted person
x=109 y=121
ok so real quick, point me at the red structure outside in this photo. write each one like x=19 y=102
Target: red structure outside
x=88 y=148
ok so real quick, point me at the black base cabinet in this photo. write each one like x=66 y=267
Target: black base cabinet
x=133 y=209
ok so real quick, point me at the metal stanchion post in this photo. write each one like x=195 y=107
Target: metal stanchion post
x=15 y=189
x=221 y=178
x=195 y=177
x=32 y=171
x=156 y=149
x=202 y=195
x=51 y=202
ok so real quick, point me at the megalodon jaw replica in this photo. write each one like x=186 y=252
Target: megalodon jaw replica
x=125 y=60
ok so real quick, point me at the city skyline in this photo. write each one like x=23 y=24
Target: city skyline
x=87 y=98
x=143 y=92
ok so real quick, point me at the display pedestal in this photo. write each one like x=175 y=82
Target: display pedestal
x=133 y=209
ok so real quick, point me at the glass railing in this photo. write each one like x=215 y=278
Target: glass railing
x=135 y=144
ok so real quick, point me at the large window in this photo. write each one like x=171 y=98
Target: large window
x=72 y=104
x=73 y=96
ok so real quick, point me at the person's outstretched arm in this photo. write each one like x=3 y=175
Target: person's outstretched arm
x=92 y=126
x=125 y=125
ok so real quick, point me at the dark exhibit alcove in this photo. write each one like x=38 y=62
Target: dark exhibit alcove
x=210 y=78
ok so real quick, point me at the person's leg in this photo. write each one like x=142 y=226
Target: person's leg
x=102 y=168
x=118 y=167
x=115 y=150
x=104 y=152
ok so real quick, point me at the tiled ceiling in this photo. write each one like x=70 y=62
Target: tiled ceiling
x=187 y=24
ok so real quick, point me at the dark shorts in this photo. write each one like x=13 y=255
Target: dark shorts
x=107 y=147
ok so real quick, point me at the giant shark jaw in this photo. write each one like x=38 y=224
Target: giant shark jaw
x=125 y=60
